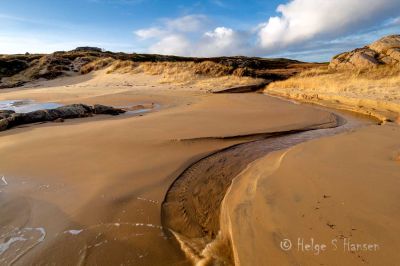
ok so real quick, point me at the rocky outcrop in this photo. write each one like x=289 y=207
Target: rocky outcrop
x=9 y=118
x=88 y=49
x=385 y=51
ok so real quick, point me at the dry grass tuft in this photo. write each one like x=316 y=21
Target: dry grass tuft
x=382 y=82
x=96 y=65
x=373 y=91
x=184 y=73
x=182 y=70
x=123 y=66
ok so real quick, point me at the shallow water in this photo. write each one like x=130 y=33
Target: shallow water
x=16 y=242
x=91 y=241
x=26 y=106
x=209 y=178
x=146 y=108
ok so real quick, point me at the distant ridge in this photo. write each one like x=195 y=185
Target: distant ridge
x=16 y=70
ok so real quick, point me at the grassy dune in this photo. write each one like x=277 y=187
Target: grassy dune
x=374 y=92
x=185 y=73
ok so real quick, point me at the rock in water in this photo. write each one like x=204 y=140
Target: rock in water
x=107 y=110
x=6 y=113
x=385 y=51
x=9 y=119
x=3 y=124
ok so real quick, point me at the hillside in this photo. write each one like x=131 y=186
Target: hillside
x=16 y=70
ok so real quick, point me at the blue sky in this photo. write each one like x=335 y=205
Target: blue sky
x=311 y=30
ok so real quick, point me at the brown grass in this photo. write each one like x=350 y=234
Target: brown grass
x=375 y=89
x=184 y=73
x=381 y=82
x=96 y=65
x=170 y=69
x=123 y=66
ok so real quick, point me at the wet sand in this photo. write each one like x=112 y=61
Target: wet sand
x=338 y=195
x=192 y=206
x=90 y=191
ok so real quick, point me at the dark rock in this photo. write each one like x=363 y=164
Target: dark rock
x=10 y=119
x=3 y=124
x=88 y=49
x=72 y=111
x=107 y=110
x=6 y=113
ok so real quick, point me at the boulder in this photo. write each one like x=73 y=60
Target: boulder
x=72 y=111
x=3 y=124
x=385 y=44
x=10 y=119
x=6 y=113
x=107 y=110
x=364 y=59
x=385 y=51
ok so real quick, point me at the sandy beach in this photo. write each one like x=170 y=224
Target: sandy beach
x=200 y=178
x=200 y=133
x=338 y=195
x=90 y=190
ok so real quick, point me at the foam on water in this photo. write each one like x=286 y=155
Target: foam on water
x=74 y=232
x=6 y=245
x=16 y=242
x=148 y=200
x=3 y=179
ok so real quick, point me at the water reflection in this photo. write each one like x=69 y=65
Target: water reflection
x=26 y=106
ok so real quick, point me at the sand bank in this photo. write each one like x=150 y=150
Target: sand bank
x=341 y=192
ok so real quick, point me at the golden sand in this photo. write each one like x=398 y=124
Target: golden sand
x=95 y=186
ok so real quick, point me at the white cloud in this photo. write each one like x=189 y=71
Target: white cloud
x=394 y=22
x=35 y=43
x=220 y=33
x=219 y=3
x=185 y=24
x=301 y=26
x=305 y=20
x=148 y=33
x=13 y=18
x=189 y=23
x=172 y=45
x=222 y=41
x=172 y=35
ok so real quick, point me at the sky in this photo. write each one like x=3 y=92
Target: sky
x=308 y=30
